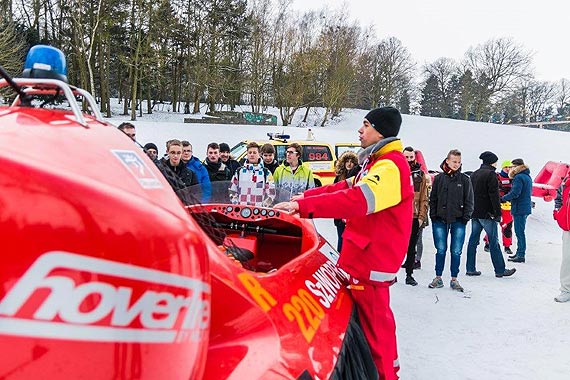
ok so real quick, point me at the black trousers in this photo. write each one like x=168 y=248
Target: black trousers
x=411 y=255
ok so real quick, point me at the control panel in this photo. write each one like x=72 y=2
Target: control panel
x=247 y=212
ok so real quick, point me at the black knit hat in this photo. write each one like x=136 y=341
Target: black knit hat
x=386 y=120
x=517 y=161
x=150 y=146
x=224 y=147
x=488 y=157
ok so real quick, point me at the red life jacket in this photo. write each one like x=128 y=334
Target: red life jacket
x=562 y=215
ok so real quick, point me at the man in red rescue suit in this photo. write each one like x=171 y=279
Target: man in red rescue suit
x=378 y=206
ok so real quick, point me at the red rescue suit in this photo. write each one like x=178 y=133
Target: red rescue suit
x=378 y=207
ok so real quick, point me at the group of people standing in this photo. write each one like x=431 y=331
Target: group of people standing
x=485 y=198
x=380 y=216
x=259 y=180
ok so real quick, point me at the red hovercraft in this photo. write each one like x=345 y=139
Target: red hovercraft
x=107 y=275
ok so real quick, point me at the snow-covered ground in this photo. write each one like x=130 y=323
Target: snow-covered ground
x=508 y=328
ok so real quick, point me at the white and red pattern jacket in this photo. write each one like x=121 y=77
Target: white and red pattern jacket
x=252 y=184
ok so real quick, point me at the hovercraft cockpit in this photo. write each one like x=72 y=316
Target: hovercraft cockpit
x=261 y=239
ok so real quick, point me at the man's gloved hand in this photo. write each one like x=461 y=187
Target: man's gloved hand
x=497 y=218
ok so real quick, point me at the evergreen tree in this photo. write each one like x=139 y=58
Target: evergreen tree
x=431 y=98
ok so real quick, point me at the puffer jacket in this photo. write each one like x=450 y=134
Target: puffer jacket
x=521 y=191
x=202 y=176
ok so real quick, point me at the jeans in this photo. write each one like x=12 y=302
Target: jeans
x=519 y=222
x=440 y=232
x=490 y=227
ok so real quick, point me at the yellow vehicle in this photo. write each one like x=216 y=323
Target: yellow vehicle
x=317 y=155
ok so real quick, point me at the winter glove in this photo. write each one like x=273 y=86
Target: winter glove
x=497 y=218
x=465 y=220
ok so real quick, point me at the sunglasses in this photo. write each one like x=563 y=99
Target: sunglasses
x=291 y=152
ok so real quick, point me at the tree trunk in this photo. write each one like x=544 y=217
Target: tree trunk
x=196 y=109
x=306 y=114
x=148 y=101
x=325 y=117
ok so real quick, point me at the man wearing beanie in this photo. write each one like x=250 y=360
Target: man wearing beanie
x=378 y=206
x=151 y=151
x=227 y=160
x=486 y=215
x=505 y=184
x=521 y=205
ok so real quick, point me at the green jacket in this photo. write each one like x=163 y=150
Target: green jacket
x=288 y=183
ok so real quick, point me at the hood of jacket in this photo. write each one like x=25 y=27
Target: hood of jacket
x=521 y=169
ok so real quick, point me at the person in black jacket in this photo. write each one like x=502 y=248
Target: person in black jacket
x=217 y=170
x=227 y=159
x=486 y=216
x=450 y=208
x=174 y=163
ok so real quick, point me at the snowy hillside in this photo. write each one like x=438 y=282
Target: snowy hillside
x=506 y=328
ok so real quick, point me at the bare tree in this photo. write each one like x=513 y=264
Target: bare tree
x=496 y=65
x=11 y=47
x=392 y=70
x=562 y=96
x=338 y=47
x=294 y=64
x=259 y=68
x=540 y=95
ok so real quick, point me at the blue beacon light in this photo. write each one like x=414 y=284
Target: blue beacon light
x=45 y=62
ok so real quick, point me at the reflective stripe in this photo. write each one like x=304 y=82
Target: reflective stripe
x=381 y=276
x=369 y=196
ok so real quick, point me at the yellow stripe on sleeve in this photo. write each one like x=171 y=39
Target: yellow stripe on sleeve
x=381 y=186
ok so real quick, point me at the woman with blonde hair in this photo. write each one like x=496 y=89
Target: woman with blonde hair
x=346 y=166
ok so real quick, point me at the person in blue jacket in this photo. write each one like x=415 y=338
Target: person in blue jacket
x=521 y=205
x=196 y=166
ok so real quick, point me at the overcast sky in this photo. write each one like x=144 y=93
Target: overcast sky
x=430 y=29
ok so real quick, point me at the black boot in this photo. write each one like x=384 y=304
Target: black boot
x=410 y=280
